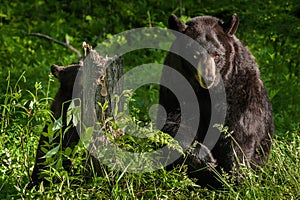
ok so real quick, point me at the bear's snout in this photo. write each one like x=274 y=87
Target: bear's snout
x=206 y=72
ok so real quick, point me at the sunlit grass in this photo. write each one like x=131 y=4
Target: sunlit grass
x=20 y=130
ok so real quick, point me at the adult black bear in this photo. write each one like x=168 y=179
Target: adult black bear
x=219 y=58
x=59 y=107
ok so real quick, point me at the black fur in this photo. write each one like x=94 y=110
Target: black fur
x=249 y=112
x=66 y=77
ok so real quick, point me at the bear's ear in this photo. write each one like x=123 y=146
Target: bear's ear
x=176 y=24
x=231 y=27
x=55 y=70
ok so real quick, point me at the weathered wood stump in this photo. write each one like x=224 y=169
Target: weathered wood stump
x=101 y=80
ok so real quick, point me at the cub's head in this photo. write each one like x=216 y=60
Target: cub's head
x=65 y=75
x=214 y=51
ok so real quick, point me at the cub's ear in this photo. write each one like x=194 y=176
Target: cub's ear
x=231 y=27
x=55 y=70
x=176 y=24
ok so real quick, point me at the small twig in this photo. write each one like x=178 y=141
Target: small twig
x=57 y=42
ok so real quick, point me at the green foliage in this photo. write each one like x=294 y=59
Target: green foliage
x=269 y=28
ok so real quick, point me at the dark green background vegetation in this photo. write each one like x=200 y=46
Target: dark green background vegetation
x=270 y=29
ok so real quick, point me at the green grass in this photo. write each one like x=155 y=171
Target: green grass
x=22 y=121
x=269 y=28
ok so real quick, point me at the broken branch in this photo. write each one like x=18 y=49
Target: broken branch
x=57 y=42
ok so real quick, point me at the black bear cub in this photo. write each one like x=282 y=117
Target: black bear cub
x=66 y=76
x=248 y=114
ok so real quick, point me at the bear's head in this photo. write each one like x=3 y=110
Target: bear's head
x=65 y=75
x=214 y=51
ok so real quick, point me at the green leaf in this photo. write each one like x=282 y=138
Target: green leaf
x=70 y=112
x=73 y=113
x=58 y=165
x=52 y=152
x=76 y=115
x=87 y=136
x=57 y=124
x=88 y=18
x=37 y=85
x=68 y=151
x=103 y=106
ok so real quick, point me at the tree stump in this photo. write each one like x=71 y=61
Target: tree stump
x=100 y=81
